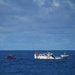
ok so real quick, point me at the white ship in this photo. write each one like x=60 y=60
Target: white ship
x=49 y=55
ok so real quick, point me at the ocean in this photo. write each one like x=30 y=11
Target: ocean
x=25 y=64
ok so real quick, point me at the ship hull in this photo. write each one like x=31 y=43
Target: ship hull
x=48 y=56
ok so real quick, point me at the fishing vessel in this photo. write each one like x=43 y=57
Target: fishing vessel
x=10 y=57
x=49 y=55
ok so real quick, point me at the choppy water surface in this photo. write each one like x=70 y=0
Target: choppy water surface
x=25 y=64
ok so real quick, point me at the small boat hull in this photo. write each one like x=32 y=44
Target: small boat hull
x=10 y=57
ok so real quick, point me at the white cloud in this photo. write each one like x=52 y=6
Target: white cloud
x=10 y=6
x=55 y=4
x=25 y=19
x=40 y=2
x=16 y=23
x=71 y=4
x=19 y=22
x=2 y=2
x=47 y=4
x=52 y=5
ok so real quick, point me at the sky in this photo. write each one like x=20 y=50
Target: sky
x=37 y=24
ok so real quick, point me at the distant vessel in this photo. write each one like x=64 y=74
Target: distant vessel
x=64 y=55
x=10 y=57
x=49 y=55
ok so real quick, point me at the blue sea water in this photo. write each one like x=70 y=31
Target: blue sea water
x=25 y=64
